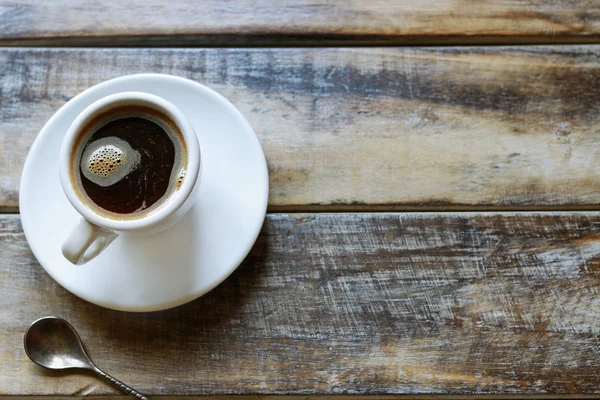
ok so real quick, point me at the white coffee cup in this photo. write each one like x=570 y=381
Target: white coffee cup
x=95 y=232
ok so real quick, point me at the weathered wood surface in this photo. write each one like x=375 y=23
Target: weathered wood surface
x=304 y=22
x=413 y=128
x=327 y=304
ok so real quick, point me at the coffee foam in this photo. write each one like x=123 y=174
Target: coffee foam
x=180 y=177
x=108 y=160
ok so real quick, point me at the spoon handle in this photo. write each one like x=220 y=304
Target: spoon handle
x=121 y=385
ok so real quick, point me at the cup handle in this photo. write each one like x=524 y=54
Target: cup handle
x=86 y=241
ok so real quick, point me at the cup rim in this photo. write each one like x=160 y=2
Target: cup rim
x=122 y=99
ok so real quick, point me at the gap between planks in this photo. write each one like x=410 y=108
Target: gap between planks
x=343 y=208
x=318 y=397
x=300 y=41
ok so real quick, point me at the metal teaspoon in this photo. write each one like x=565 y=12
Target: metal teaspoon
x=52 y=342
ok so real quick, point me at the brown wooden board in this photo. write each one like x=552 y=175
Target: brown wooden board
x=453 y=303
x=361 y=129
x=296 y=22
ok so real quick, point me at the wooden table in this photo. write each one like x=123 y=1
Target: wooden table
x=432 y=226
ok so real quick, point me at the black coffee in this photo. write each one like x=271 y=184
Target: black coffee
x=130 y=161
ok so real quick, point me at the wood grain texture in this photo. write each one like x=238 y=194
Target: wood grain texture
x=345 y=304
x=398 y=129
x=292 y=22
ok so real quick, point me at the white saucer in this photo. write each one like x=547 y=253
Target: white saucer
x=183 y=262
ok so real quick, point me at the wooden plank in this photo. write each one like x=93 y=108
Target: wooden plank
x=451 y=303
x=346 y=129
x=116 y=396
x=293 y=22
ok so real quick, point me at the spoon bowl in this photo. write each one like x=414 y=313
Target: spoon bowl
x=53 y=343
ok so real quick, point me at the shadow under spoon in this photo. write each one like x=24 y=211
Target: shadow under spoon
x=52 y=342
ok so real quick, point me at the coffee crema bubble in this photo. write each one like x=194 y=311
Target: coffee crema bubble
x=180 y=177
x=129 y=162
x=108 y=160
